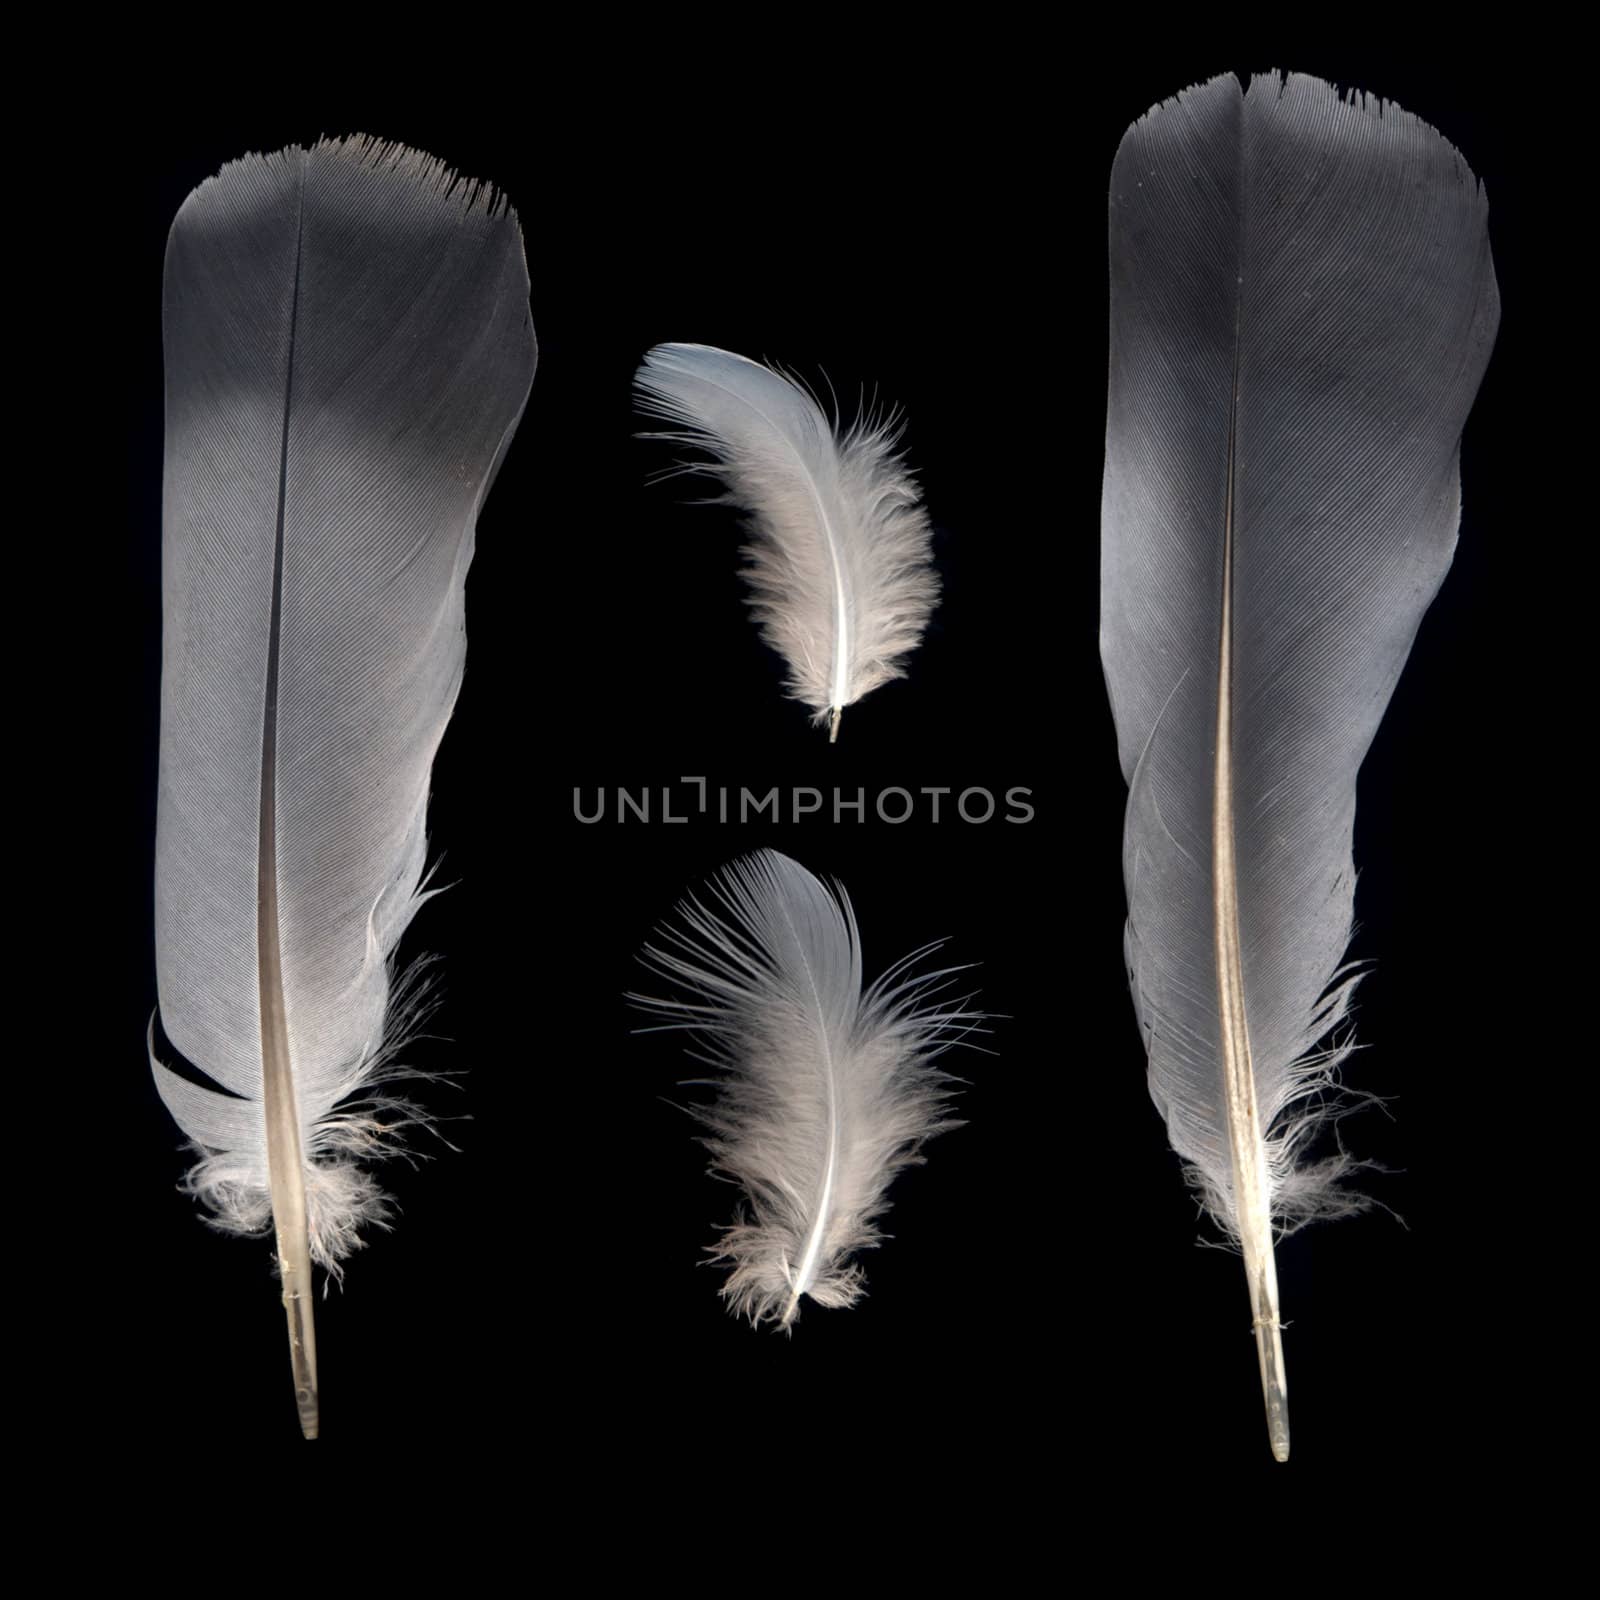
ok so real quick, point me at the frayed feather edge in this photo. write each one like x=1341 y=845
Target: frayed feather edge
x=369 y=1125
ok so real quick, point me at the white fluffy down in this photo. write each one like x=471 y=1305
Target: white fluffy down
x=827 y=1090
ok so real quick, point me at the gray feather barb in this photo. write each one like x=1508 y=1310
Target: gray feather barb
x=348 y=352
x=1302 y=306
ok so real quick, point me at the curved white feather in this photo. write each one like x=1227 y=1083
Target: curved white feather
x=839 y=565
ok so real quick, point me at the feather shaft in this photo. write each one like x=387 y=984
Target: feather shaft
x=279 y=1103
x=1252 y=1179
x=829 y=1077
x=280 y=1107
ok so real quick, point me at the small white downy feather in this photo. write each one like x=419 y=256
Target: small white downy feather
x=1302 y=305
x=827 y=1090
x=839 y=564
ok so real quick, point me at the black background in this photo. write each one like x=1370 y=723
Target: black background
x=937 y=238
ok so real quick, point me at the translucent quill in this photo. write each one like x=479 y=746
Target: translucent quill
x=1302 y=305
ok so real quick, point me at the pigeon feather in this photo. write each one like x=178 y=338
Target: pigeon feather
x=348 y=352
x=1302 y=305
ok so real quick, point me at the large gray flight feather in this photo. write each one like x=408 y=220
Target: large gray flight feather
x=1302 y=307
x=348 y=352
